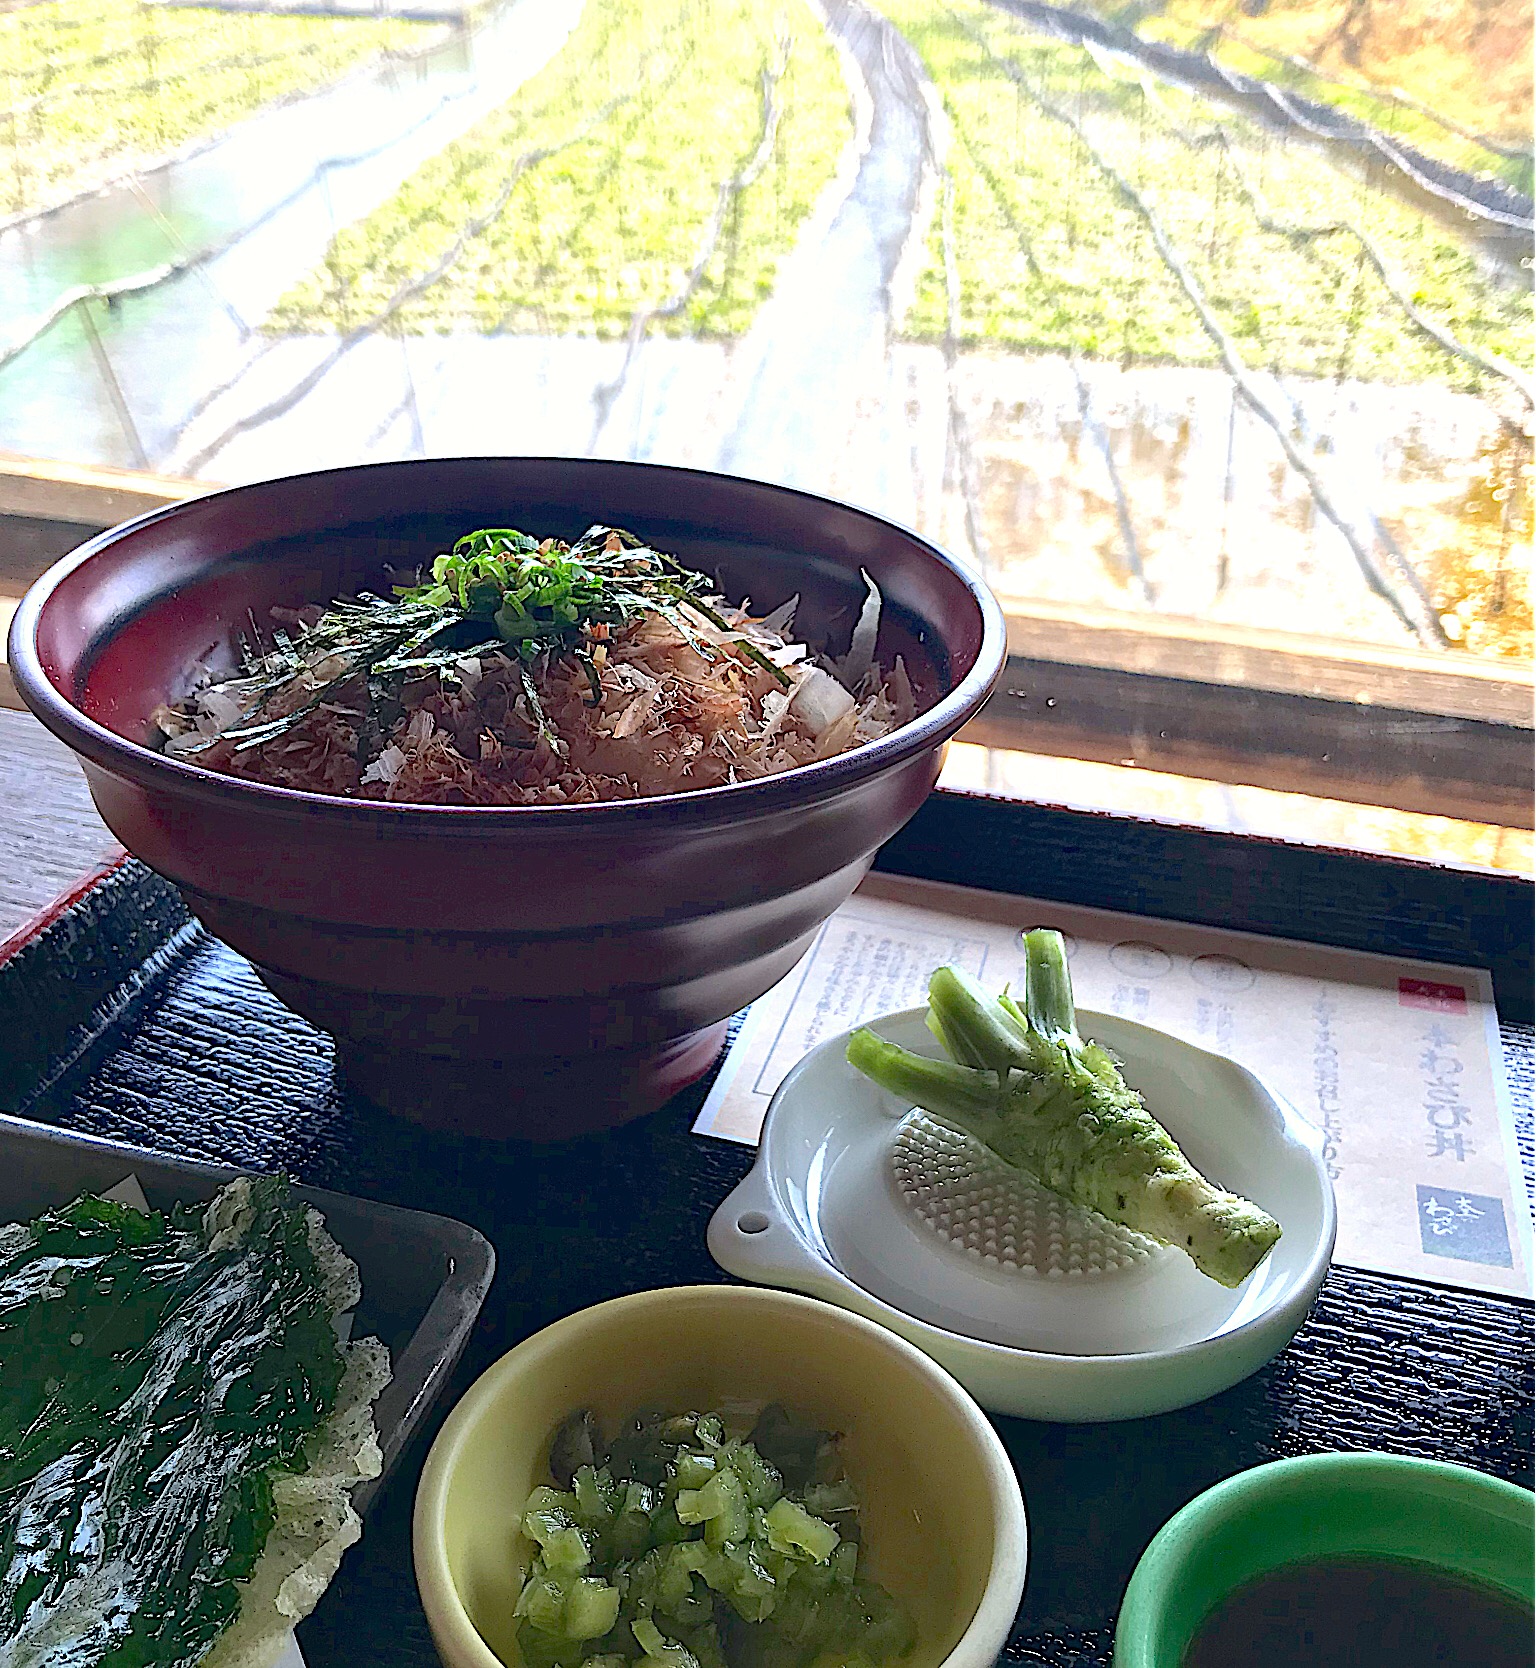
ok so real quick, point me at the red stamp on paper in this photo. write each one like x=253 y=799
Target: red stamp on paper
x=1426 y=993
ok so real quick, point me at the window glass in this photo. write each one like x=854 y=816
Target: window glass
x=1208 y=319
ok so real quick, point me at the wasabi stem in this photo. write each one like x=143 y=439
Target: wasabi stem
x=1048 y=1005
x=681 y=1543
x=975 y=1030
x=1024 y=1082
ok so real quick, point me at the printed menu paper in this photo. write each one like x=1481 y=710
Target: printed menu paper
x=1399 y=1063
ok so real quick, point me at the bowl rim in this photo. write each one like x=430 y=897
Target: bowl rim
x=1163 y=1561
x=121 y=756
x=447 y=1616
x=1296 y=1130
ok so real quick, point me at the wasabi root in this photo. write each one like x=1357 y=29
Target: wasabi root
x=1024 y=1082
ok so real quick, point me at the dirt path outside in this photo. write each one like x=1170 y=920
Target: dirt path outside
x=818 y=360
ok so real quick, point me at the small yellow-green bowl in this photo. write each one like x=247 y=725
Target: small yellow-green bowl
x=942 y=1516
x=1346 y=1505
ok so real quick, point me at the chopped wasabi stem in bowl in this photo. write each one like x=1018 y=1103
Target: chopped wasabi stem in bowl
x=1023 y=1082
x=681 y=1543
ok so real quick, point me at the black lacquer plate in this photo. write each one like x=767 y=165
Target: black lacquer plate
x=126 y=1021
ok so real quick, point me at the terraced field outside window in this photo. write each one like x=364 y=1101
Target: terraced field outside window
x=662 y=164
x=1095 y=212
x=1201 y=327
x=95 y=89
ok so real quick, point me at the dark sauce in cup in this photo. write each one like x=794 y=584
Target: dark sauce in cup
x=1363 y=1613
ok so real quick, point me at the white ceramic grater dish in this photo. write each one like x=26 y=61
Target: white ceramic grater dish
x=1039 y=1308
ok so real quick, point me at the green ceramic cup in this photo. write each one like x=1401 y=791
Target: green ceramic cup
x=1320 y=1506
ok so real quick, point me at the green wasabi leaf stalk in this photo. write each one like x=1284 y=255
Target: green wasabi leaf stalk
x=1048 y=1006
x=1024 y=1082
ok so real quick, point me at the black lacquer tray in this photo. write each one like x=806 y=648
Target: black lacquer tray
x=124 y=1020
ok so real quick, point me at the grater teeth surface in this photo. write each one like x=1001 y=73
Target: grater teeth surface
x=1003 y=1218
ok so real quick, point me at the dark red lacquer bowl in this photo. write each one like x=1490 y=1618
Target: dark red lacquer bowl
x=536 y=971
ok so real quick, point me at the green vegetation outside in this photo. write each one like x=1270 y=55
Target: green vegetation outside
x=1045 y=253
x=597 y=183
x=1050 y=255
x=96 y=88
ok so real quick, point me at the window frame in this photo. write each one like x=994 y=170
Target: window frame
x=1143 y=676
